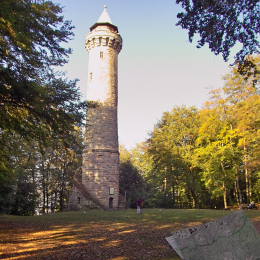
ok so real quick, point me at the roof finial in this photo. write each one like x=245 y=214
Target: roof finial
x=105 y=6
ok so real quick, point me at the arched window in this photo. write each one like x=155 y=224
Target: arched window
x=101 y=54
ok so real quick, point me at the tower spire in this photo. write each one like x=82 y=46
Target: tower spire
x=104 y=17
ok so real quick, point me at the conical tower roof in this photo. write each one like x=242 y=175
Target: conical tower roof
x=104 y=19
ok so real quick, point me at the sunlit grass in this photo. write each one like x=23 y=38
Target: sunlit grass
x=98 y=234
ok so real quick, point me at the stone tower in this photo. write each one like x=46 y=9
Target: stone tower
x=100 y=169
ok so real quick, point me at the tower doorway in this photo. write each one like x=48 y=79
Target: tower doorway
x=110 y=203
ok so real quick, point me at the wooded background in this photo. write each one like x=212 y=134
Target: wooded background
x=194 y=158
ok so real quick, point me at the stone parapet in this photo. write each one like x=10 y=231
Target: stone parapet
x=103 y=37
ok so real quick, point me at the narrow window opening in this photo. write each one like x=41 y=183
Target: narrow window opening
x=90 y=76
x=101 y=54
x=112 y=43
x=78 y=200
x=110 y=203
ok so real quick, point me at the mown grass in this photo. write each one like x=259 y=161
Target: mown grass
x=98 y=234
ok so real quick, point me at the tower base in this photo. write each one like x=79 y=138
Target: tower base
x=80 y=199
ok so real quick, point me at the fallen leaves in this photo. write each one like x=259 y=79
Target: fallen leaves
x=106 y=237
x=99 y=240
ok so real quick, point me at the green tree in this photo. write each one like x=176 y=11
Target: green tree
x=129 y=178
x=214 y=151
x=141 y=160
x=58 y=162
x=228 y=138
x=222 y=24
x=31 y=94
x=42 y=175
x=37 y=105
x=171 y=146
x=18 y=189
x=244 y=103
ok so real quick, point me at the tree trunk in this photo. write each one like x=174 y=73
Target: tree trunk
x=43 y=189
x=178 y=194
x=34 y=188
x=165 y=192
x=62 y=187
x=179 y=197
x=247 y=187
x=195 y=199
x=224 y=195
x=189 y=198
x=250 y=186
x=236 y=193
x=47 y=188
x=173 y=195
x=246 y=173
x=224 y=186
x=239 y=192
x=61 y=199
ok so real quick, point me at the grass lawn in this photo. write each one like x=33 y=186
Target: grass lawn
x=98 y=234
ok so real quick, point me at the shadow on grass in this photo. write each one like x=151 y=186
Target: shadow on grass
x=118 y=235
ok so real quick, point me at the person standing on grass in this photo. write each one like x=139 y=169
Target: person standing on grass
x=139 y=204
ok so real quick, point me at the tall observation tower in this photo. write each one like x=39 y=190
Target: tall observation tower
x=100 y=170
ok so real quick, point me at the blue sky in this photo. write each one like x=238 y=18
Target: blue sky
x=158 y=67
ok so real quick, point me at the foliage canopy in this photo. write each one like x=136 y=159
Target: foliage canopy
x=40 y=111
x=222 y=24
x=31 y=94
x=206 y=158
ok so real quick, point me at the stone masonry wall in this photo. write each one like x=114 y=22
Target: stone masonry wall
x=100 y=170
x=78 y=201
